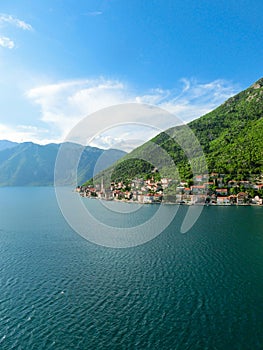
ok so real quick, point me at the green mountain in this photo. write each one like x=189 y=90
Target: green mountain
x=230 y=137
x=29 y=164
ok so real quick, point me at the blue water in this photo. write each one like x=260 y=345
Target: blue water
x=199 y=290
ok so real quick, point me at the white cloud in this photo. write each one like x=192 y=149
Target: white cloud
x=64 y=104
x=6 y=42
x=4 y=18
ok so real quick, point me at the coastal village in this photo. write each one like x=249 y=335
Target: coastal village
x=205 y=189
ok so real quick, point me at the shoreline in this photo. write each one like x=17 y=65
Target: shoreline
x=174 y=203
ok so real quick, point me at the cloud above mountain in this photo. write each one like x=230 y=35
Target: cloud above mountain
x=64 y=104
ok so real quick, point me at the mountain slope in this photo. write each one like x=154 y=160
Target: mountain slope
x=230 y=137
x=29 y=164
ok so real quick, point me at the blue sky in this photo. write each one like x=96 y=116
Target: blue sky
x=63 y=60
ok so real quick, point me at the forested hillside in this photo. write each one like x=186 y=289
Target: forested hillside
x=230 y=137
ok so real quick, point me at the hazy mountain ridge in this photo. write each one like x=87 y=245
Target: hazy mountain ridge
x=30 y=164
x=4 y=144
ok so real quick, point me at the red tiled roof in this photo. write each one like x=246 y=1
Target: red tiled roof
x=242 y=194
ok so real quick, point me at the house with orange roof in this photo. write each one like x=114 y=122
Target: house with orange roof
x=221 y=191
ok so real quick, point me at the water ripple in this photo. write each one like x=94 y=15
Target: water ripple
x=199 y=290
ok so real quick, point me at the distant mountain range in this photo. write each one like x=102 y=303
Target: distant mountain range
x=230 y=137
x=30 y=164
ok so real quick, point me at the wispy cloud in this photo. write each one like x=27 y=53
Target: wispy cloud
x=4 y=18
x=64 y=104
x=10 y=20
x=94 y=13
x=193 y=99
x=196 y=98
x=6 y=42
x=23 y=133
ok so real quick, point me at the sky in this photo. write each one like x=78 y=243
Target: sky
x=64 y=60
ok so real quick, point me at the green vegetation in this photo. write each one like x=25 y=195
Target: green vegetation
x=230 y=137
x=231 y=134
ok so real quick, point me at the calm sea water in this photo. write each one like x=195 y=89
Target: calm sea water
x=199 y=290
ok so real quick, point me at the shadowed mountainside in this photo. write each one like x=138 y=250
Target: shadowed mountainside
x=30 y=164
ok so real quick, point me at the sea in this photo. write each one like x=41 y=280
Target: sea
x=201 y=289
